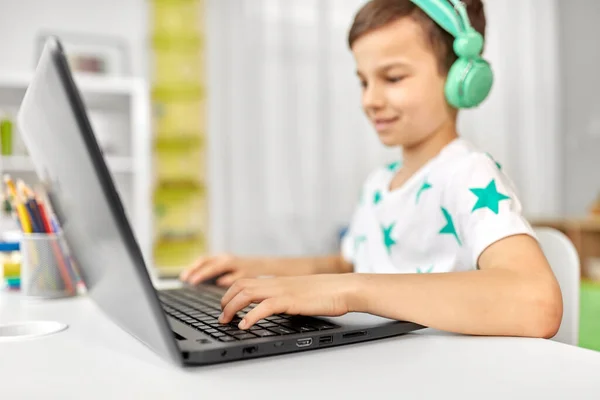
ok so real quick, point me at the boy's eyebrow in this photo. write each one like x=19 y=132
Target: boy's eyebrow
x=393 y=64
x=388 y=65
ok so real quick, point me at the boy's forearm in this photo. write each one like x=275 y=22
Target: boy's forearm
x=307 y=266
x=489 y=302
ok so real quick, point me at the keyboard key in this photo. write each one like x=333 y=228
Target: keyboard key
x=288 y=324
x=227 y=328
x=264 y=333
x=321 y=325
x=217 y=334
x=196 y=314
x=245 y=336
x=280 y=330
x=255 y=327
x=227 y=339
x=267 y=324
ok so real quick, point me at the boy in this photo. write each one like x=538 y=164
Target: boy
x=439 y=240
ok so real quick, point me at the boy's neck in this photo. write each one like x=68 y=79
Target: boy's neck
x=413 y=158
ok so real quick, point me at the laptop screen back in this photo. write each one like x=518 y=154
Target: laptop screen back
x=69 y=163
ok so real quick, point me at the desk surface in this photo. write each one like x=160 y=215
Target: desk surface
x=94 y=359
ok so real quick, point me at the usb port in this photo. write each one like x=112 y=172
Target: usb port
x=304 y=342
x=326 y=339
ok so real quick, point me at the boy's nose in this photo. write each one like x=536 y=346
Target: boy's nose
x=373 y=97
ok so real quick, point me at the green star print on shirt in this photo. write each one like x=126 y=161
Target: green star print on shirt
x=497 y=163
x=488 y=197
x=388 y=241
x=358 y=240
x=425 y=271
x=449 y=229
x=394 y=166
x=377 y=197
x=426 y=186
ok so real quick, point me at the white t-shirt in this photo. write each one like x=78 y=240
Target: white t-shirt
x=440 y=220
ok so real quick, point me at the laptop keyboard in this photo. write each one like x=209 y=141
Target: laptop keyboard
x=201 y=310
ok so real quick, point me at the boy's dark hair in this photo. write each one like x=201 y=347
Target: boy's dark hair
x=378 y=13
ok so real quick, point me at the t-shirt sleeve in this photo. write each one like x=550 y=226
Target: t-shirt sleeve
x=484 y=205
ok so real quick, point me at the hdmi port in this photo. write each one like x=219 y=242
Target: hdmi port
x=304 y=342
x=352 y=335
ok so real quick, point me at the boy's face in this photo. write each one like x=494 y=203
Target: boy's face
x=403 y=90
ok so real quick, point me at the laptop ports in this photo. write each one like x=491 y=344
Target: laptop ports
x=353 y=335
x=326 y=340
x=304 y=342
x=250 y=350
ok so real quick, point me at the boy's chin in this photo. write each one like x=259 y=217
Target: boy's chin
x=391 y=140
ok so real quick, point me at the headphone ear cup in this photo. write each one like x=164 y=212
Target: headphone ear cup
x=454 y=83
x=469 y=82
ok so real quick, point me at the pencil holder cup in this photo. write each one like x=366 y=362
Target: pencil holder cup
x=46 y=267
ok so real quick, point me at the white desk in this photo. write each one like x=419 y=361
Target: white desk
x=94 y=359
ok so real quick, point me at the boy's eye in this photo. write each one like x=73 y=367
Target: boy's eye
x=395 y=79
x=363 y=84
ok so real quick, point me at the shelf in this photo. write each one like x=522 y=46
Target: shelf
x=13 y=164
x=98 y=92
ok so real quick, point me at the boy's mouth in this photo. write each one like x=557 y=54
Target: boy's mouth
x=382 y=124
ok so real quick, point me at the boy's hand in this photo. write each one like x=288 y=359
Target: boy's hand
x=229 y=268
x=317 y=295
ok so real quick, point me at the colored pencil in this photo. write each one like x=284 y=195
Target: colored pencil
x=44 y=216
x=36 y=223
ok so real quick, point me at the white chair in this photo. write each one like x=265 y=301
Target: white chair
x=564 y=260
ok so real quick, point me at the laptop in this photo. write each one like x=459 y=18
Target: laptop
x=179 y=324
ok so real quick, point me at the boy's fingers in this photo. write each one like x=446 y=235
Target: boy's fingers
x=229 y=279
x=187 y=273
x=208 y=272
x=242 y=300
x=237 y=287
x=264 y=310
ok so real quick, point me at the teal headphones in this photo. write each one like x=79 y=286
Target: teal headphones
x=470 y=78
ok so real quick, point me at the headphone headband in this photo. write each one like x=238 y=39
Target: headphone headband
x=461 y=9
x=451 y=15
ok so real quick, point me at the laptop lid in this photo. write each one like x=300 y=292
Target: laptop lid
x=69 y=163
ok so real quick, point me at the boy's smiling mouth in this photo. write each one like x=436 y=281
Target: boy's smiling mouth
x=383 y=124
